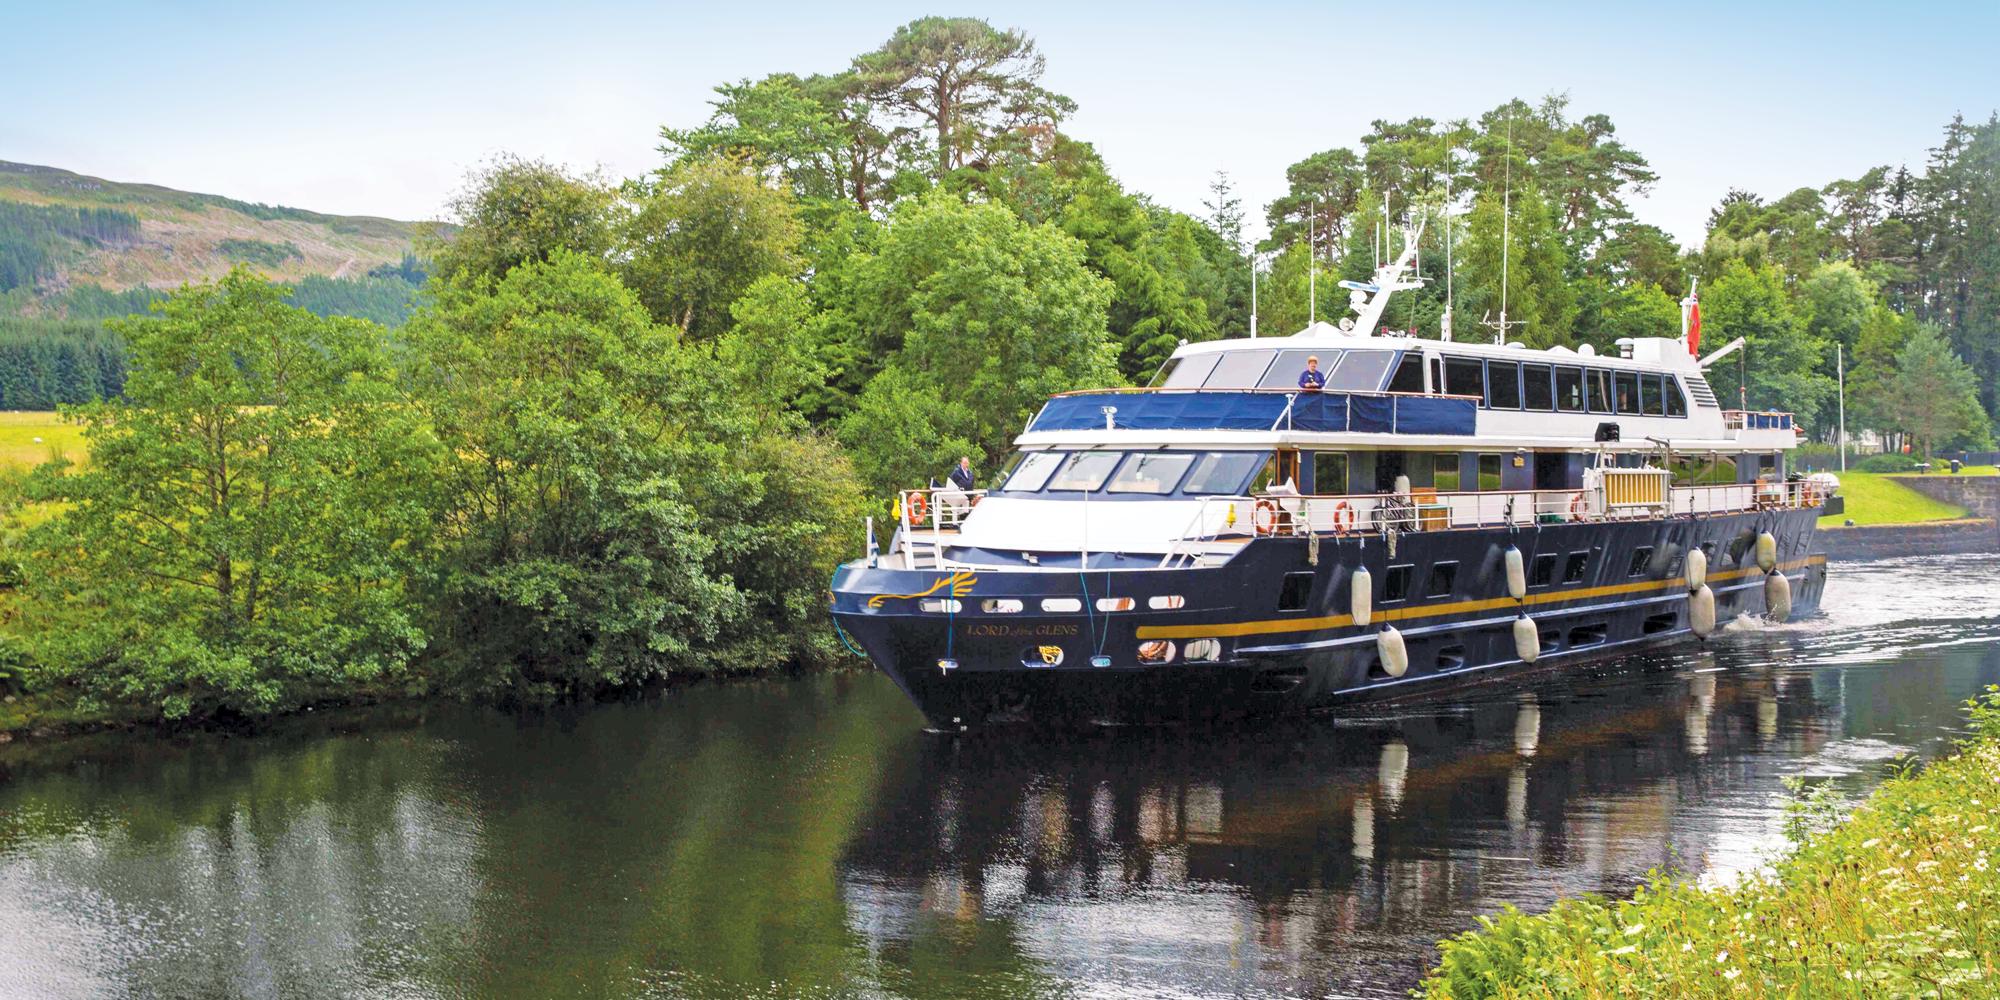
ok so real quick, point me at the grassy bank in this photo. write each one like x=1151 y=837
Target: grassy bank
x=1902 y=899
x=1877 y=499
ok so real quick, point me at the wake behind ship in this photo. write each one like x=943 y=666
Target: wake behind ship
x=1226 y=542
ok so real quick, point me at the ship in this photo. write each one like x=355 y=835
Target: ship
x=1235 y=540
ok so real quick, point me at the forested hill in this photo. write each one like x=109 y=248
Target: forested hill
x=60 y=230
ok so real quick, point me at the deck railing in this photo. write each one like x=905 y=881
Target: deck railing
x=1757 y=420
x=1288 y=514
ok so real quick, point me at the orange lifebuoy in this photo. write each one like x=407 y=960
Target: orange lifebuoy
x=1265 y=517
x=1343 y=516
x=919 y=506
x=1579 y=504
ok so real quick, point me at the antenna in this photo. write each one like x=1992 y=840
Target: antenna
x=1506 y=241
x=1444 y=322
x=1312 y=266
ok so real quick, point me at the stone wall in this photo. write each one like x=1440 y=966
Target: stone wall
x=1978 y=494
x=1882 y=541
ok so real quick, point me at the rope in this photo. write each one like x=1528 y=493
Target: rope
x=837 y=630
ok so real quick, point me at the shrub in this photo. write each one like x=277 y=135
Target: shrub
x=1890 y=462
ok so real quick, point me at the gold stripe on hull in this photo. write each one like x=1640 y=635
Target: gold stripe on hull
x=1271 y=627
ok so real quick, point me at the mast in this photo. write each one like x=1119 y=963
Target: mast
x=1312 y=266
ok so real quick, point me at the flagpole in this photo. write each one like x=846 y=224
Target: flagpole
x=1840 y=373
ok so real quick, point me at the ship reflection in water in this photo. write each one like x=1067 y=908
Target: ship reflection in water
x=804 y=838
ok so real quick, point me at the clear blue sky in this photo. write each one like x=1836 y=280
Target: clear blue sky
x=373 y=108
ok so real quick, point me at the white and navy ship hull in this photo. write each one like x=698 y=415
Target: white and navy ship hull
x=951 y=639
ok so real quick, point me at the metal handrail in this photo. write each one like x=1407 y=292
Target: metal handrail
x=1133 y=390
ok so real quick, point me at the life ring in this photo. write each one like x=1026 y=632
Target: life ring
x=919 y=506
x=1579 y=505
x=1265 y=517
x=1343 y=516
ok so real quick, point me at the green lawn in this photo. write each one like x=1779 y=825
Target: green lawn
x=30 y=437
x=1873 y=498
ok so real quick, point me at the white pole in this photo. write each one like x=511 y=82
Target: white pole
x=1840 y=373
x=1253 y=295
x=1312 y=266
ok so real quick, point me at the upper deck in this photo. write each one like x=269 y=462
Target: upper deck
x=1396 y=392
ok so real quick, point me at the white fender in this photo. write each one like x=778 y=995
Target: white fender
x=1697 y=569
x=1701 y=611
x=1389 y=645
x=1517 y=577
x=1527 y=639
x=1360 y=594
x=1767 y=552
x=1777 y=597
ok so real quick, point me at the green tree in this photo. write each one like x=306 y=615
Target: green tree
x=980 y=308
x=516 y=211
x=241 y=537
x=1781 y=363
x=973 y=86
x=1934 y=395
x=823 y=133
x=1322 y=193
x=701 y=236
x=1538 y=294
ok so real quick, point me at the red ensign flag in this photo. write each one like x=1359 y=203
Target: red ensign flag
x=1694 y=328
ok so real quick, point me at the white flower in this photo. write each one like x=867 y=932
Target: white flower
x=1687 y=945
x=1721 y=957
x=1732 y=973
x=1635 y=930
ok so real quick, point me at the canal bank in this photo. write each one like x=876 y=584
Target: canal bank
x=1900 y=899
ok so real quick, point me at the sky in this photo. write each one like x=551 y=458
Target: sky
x=372 y=108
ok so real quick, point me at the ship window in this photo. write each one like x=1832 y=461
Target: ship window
x=1535 y=381
x=1295 y=592
x=1503 y=385
x=1085 y=470
x=1625 y=391
x=1640 y=557
x=1465 y=377
x=1409 y=375
x=1677 y=404
x=1443 y=576
x=1598 y=381
x=1358 y=370
x=1396 y=583
x=1573 y=569
x=1190 y=372
x=1150 y=472
x=1489 y=472
x=1444 y=474
x=1222 y=471
x=1285 y=373
x=1329 y=472
x=1239 y=369
x=1543 y=571
x=1034 y=470
x=1652 y=396
x=1569 y=389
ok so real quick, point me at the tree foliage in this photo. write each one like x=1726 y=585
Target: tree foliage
x=242 y=534
x=519 y=211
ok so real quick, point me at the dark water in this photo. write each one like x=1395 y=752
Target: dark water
x=806 y=839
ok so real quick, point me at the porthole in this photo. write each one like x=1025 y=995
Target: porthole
x=1166 y=602
x=1203 y=650
x=1156 y=651
x=1109 y=604
x=941 y=605
x=1002 y=606
x=1061 y=605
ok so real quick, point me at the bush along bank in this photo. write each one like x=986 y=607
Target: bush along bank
x=1902 y=899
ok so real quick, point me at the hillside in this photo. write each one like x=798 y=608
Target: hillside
x=61 y=230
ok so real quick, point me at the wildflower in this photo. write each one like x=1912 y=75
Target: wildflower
x=1721 y=956
x=1732 y=973
x=1687 y=945
x=1871 y=842
x=1635 y=930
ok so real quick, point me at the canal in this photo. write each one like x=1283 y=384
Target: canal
x=804 y=838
